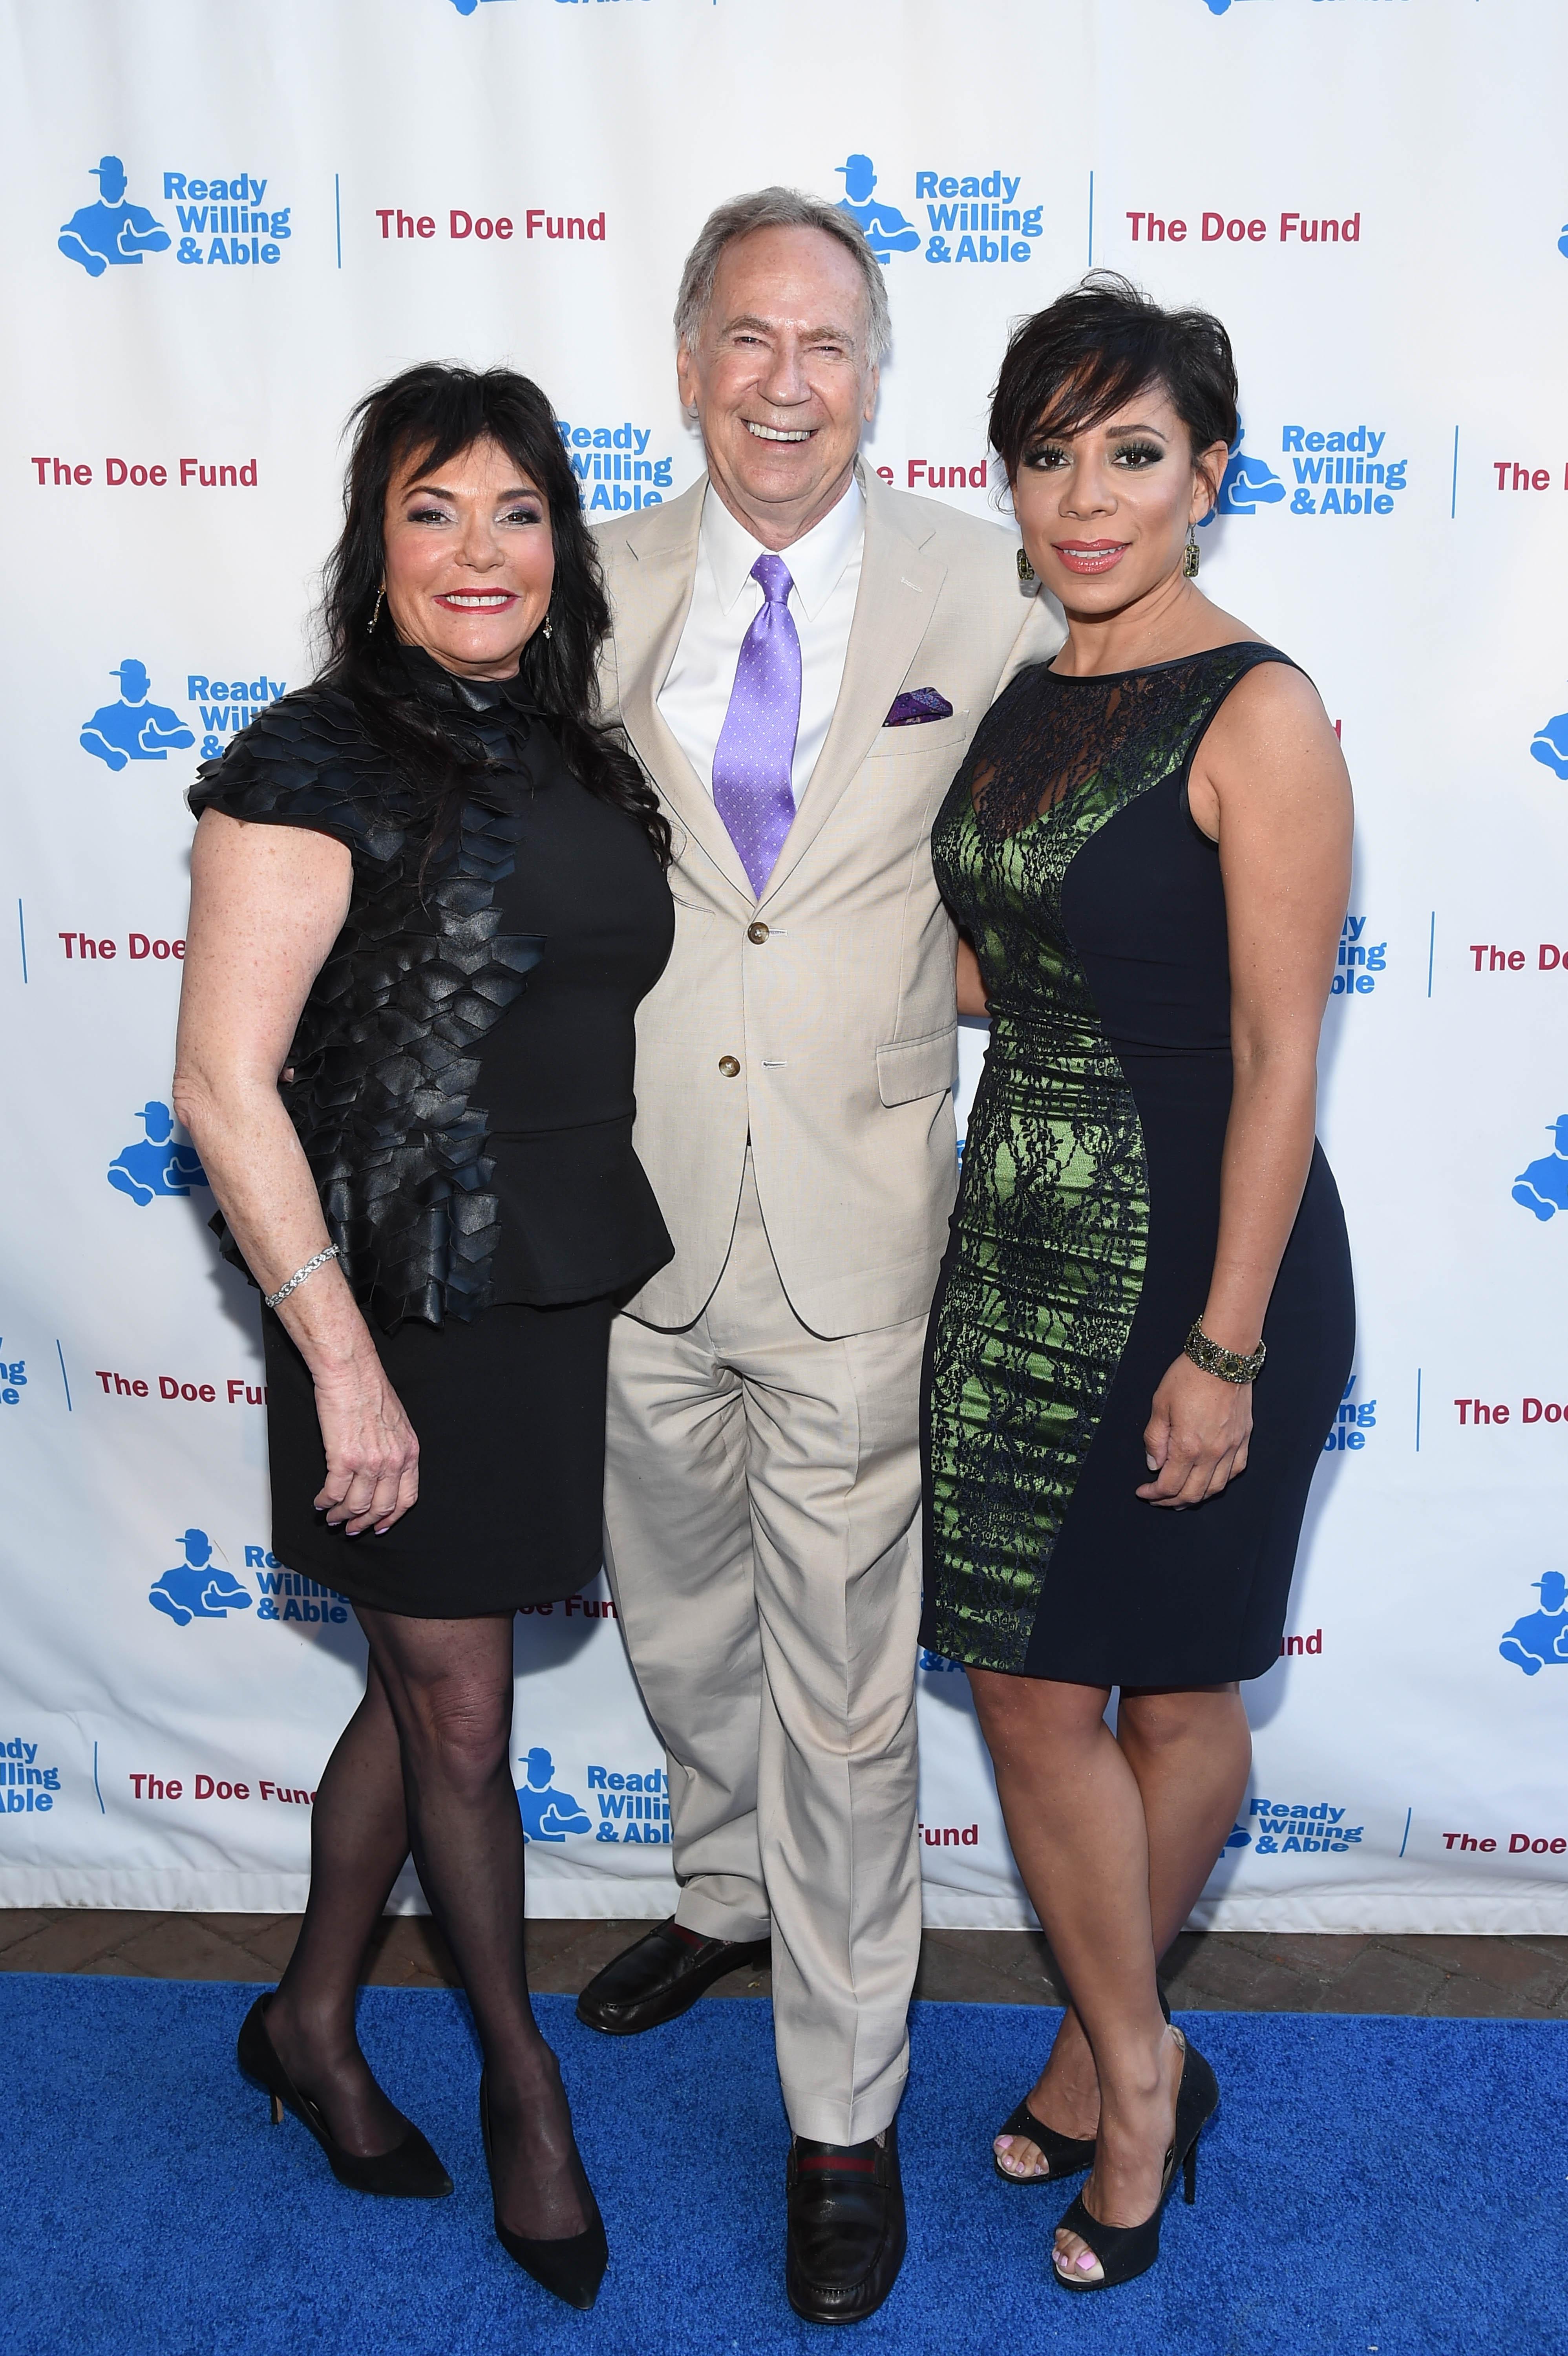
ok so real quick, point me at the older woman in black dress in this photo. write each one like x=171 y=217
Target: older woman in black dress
x=1148 y=846
x=430 y=892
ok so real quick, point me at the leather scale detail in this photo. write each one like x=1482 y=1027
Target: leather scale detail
x=383 y=1055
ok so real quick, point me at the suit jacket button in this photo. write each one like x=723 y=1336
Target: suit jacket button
x=758 y=933
x=729 y=1066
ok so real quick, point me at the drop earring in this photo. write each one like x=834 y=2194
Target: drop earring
x=1191 y=558
x=376 y=609
x=1026 y=570
x=548 y=632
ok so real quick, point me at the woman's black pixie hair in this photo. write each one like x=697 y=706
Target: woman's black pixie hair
x=1083 y=357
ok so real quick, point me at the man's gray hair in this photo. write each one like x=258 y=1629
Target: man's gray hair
x=777 y=208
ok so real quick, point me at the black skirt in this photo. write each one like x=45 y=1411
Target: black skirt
x=509 y=1411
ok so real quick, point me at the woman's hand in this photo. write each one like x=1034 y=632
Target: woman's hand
x=372 y=1453
x=1196 y=1438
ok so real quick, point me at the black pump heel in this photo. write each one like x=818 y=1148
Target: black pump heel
x=409 y=2172
x=1064 y=2155
x=571 y=2267
x=1127 y=2251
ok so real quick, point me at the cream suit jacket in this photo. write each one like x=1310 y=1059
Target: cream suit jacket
x=820 y=1021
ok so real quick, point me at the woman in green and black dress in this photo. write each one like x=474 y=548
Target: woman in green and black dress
x=1149 y=848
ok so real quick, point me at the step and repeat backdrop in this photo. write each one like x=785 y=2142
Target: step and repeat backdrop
x=223 y=222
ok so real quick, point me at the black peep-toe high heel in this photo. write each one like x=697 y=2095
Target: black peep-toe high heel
x=1128 y=2251
x=573 y=2266
x=1065 y=2155
x=411 y=2171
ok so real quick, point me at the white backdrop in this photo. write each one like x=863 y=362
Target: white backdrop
x=1372 y=195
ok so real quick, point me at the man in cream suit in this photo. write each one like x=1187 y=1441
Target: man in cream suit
x=800 y=658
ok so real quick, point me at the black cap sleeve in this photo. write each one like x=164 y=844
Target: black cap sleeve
x=306 y=761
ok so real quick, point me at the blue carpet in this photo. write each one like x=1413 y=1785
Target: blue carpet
x=1397 y=2185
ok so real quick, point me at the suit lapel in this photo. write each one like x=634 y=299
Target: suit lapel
x=653 y=599
x=899 y=588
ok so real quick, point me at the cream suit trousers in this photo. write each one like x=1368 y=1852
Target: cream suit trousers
x=761 y=1497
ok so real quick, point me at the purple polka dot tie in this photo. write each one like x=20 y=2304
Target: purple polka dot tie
x=756 y=745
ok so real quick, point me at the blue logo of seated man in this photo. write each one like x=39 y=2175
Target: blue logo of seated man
x=1540 y=1641
x=156 y=1164
x=111 y=231
x=1542 y=1186
x=197 y=1589
x=887 y=231
x=1549 y=745
x=133 y=729
x=1247 y=485
x=547 y=1815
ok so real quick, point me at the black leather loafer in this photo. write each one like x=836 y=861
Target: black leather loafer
x=661 y=1977
x=847 y=2232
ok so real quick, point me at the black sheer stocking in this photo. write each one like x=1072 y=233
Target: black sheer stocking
x=358 y=1840
x=449 y=1687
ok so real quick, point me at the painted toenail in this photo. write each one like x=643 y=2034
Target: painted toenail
x=1086 y=2262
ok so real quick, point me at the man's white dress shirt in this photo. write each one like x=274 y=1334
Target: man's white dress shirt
x=825 y=566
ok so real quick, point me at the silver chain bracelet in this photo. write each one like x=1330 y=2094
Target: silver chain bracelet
x=270 y=1299
x=1230 y=1365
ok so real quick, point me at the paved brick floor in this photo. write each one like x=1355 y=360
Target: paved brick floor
x=1513 y=1979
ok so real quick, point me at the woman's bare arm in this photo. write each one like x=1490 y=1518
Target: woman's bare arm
x=972 y=998
x=267 y=902
x=1270 y=784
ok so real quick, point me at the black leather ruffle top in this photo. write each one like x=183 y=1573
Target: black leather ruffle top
x=463 y=1067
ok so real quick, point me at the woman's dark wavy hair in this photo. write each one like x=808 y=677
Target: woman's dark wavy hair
x=428 y=415
x=1078 y=361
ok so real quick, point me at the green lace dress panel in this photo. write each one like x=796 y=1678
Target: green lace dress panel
x=1050 y=1232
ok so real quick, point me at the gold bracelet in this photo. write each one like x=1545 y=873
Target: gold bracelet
x=1230 y=1365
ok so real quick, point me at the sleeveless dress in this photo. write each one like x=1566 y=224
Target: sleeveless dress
x=1084 y=1235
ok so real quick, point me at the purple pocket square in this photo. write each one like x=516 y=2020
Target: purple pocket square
x=920 y=703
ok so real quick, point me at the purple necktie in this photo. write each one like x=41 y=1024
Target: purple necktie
x=756 y=745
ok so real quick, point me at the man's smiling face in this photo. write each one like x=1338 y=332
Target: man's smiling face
x=781 y=379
